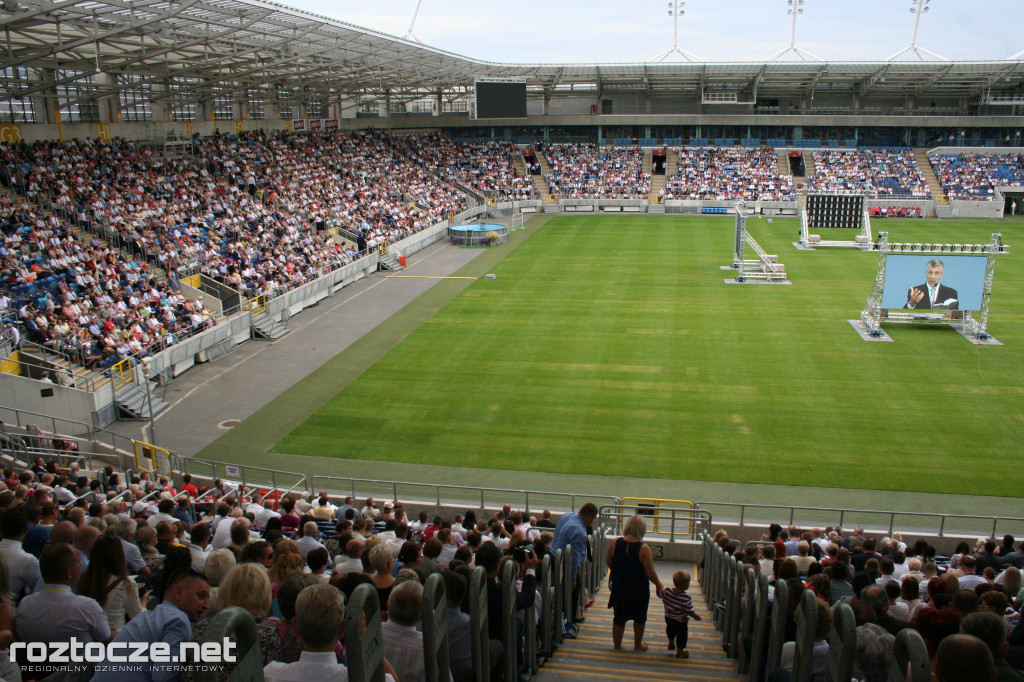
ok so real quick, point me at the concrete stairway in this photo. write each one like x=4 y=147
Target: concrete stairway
x=266 y=327
x=132 y=401
x=540 y=182
x=921 y=156
x=809 y=168
x=520 y=165
x=590 y=656
x=657 y=181
x=782 y=162
x=671 y=162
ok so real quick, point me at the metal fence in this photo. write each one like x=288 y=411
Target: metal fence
x=877 y=521
x=678 y=523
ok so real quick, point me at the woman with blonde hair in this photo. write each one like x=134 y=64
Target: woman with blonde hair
x=246 y=586
x=145 y=538
x=632 y=570
x=383 y=562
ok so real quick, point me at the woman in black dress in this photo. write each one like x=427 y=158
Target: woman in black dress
x=632 y=566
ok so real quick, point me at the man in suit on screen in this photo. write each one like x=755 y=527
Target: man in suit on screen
x=932 y=294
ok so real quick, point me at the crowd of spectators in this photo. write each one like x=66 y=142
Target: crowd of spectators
x=896 y=212
x=252 y=211
x=122 y=555
x=485 y=166
x=891 y=586
x=724 y=173
x=81 y=298
x=975 y=176
x=594 y=171
x=878 y=173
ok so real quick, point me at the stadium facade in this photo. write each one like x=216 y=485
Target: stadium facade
x=153 y=69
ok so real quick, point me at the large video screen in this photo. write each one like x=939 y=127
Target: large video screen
x=500 y=100
x=933 y=282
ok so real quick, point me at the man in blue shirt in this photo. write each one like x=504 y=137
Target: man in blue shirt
x=572 y=530
x=186 y=599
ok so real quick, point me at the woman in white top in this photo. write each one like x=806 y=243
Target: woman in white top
x=107 y=581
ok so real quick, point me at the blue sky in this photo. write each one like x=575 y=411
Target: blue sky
x=563 y=31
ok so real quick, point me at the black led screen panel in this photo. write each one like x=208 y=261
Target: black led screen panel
x=500 y=100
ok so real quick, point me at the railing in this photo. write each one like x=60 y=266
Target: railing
x=692 y=521
x=245 y=475
x=23 y=418
x=924 y=523
x=28 y=365
x=653 y=507
x=456 y=495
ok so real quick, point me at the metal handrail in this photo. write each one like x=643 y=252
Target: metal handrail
x=394 y=486
x=90 y=431
x=697 y=520
x=839 y=516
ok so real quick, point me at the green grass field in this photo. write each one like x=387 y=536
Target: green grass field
x=610 y=345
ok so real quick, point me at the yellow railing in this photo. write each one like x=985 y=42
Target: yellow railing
x=258 y=304
x=122 y=373
x=943 y=199
x=151 y=458
x=650 y=506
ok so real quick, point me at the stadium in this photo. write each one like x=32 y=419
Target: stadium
x=252 y=243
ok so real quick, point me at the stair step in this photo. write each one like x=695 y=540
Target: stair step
x=591 y=656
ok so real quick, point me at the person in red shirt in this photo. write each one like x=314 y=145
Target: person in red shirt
x=188 y=487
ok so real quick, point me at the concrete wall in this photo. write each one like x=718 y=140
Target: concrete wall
x=69 y=403
x=977 y=209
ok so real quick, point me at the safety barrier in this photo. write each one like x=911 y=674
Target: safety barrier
x=684 y=523
x=874 y=521
x=528 y=500
x=651 y=506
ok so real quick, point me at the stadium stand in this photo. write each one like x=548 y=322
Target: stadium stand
x=244 y=539
x=485 y=166
x=878 y=173
x=725 y=173
x=251 y=211
x=252 y=561
x=975 y=176
x=596 y=171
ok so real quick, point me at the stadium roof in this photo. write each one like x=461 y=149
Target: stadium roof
x=230 y=45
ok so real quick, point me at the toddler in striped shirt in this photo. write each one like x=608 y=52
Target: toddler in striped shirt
x=678 y=612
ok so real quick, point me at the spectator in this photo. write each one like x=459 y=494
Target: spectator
x=571 y=531
x=320 y=622
x=246 y=586
x=22 y=567
x=106 y=580
x=56 y=614
x=403 y=644
x=991 y=629
x=185 y=601
x=964 y=658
